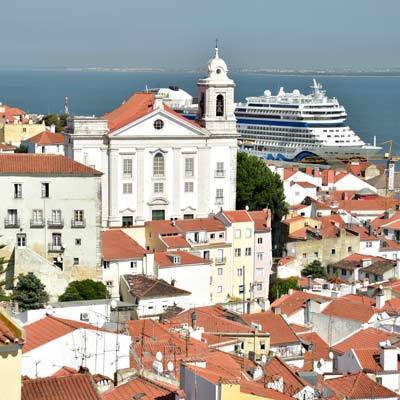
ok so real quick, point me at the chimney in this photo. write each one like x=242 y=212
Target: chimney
x=276 y=310
x=388 y=357
x=52 y=128
x=290 y=291
x=158 y=102
x=309 y=282
x=379 y=299
x=353 y=288
x=397 y=269
x=193 y=317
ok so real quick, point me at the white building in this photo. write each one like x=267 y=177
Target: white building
x=46 y=142
x=158 y=164
x=53 y=343
x=50 y=216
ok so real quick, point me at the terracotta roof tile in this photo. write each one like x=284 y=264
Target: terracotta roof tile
x=47 y=137
x=200 y=224
x=7 y=334
x=175 y=242
x=237 y=216
x=345 y=309
x=280 y=332
x=43 y=164
x=320 y=347
x=117 y=245
x=72 y=387
x=262 y=221
x=6 y=147
x=165 y=259
x=358 y=386
x=369 y=359
x=364 y=339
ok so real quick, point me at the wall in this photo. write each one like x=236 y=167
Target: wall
x=15 y=133
x=10 y=367
x=196 y=387
x=263 y=267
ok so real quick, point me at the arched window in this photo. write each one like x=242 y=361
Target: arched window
x=158 y=165
x=220 y=105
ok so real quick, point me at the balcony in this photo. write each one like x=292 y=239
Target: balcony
x=78 y=223
x=12 y=222
x=55 y=223
x=219 y=200
x=56 y=248
x=219 y=173
x=37 y=223
x=220 y=261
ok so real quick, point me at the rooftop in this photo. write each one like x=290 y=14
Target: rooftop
x=177 y=258
x=47 y=138
x=117 y=245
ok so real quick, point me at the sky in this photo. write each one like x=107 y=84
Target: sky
x=181 y=34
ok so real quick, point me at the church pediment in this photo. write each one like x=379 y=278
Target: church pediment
x=158 y=201
x=158 y=124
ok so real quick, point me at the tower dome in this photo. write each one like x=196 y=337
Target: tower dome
x=216 y=66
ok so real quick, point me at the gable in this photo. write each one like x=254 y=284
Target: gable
x=173 y=126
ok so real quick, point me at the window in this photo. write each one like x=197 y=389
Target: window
x=333 y=251
x=259 y=286
x=238 y=252
x=219 y=289
x=176 y=259
x=189 y=166
x=238 y=233
x=220 y=271
x=21 y=240
x=76 y=261
x=79 y=215
x=248 y=233
x=127 y=167
x=188 y=216
x=37 y=216
x=78 y=242
x=240 y=272
x=259 y=240
x=18 y=190
x=158 y=124
x=127 y=188
x=133 y=264
x=106 y=264
x=248 y=251
x=304 y=255
x=109 y=284
x=158 y=187
x=241 y=289
x=259 y=256
x=206 y=254
x=56 y=215
x=379 y=380
x=220 y=106
x=188 y=187
x=158 y=165
x=262 y=344
x=221 y=235
x=56 y=239
x=45 y=189
x=157 y=215
x=316 y=254
x=212 y=236
x=349 y=249
x=368 y=244
x=220 y=172
x=127 y=221
x=219 y=196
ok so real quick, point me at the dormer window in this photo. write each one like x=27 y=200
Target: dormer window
x=176 y=259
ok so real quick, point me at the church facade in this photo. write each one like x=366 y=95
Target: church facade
x=157 y=164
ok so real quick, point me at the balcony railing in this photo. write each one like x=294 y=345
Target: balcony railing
x=219 y=173
x=37 y=223
x=220 y=261
x=56 y=248
x=78 y=223
x=12 y=223
x=219 y=200
x=55 y=223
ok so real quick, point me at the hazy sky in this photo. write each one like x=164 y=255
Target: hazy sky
x=177 y=33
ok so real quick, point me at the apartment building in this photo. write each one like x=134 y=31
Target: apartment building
x=50 y=216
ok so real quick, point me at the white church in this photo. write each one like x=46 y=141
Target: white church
x=157 y=164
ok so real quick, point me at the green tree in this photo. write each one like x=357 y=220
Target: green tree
x=21 y=149
x=59 y=121
x=3 y=271
x=281 y=286
x=86 y=289
x=315 y=269
x=258 y=188
x=29 y=292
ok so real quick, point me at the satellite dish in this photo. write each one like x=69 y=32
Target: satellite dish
x=330 y=355
x=264 y=359
x=49 y=309
x=170 y=366
x=303 y=350
x=159 y=356
x=321 y=360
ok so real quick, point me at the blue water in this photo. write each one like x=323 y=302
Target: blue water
x=372 y=103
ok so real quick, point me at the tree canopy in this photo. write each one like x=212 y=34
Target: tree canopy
x=86 y=289
x=281 y=286
x=29 y=292
x=315 y=269
x=59 y=121
x=258 y=188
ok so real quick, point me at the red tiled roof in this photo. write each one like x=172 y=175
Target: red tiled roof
x=299 y=329
x=200 y=224
x=175 y=242
x=72 y=387
x=382 y=220
x=369 y=359
x=117 y=245
x=261 y=220
x=340 y=176
x=388 y=245
x=6 y=147
x=344 y=309
x=257 y=388
x=320 y=347
x=47 y=137
x=306 y=185
x=162 y=227
x=237 y=216
x=65 y=371
x=291 y=303
x=285 y=260
x=43 y=164
x=50 y=328
x=151 y=390
x=364 y=339
x=7 y=335
x=378 y=204
x=358 y=386
x=363 y=233
x=165 y=259
x=355 y=298
x=274 y=324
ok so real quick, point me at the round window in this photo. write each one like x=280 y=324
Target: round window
x=218 y=71
x=158 y=124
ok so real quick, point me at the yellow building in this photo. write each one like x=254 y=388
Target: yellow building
x=15 y=133
x=11 y=341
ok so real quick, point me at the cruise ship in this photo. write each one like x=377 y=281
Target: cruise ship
x=290 y=126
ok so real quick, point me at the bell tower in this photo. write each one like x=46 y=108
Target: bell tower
x=216 y=99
